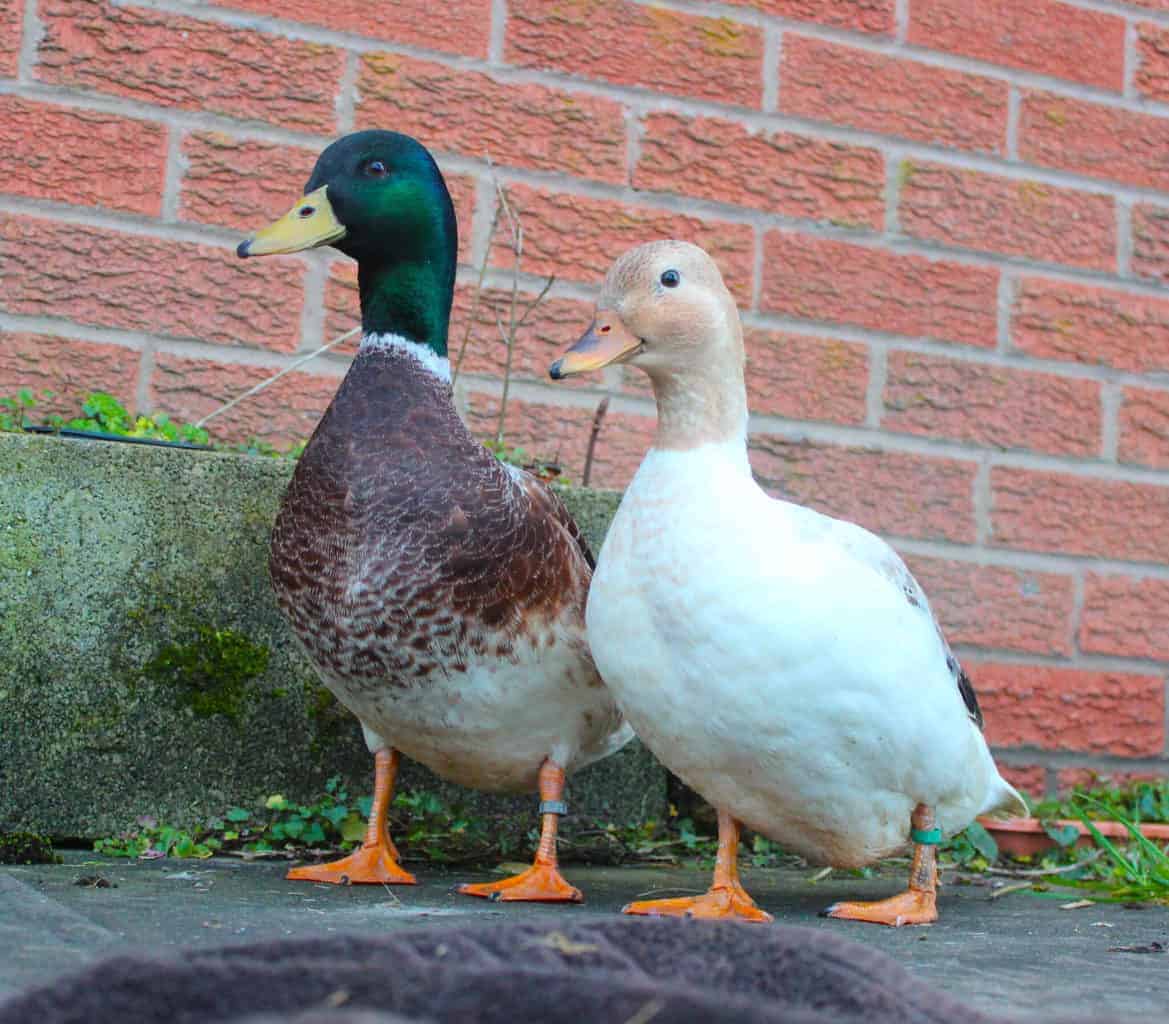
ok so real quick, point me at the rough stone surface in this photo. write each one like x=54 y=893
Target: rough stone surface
x=1144 y=427
x=109 y=554
x=68 y=368
x=1125 y=616
x=1150 y=241
x=1019 y=957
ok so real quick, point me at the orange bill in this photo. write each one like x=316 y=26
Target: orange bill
x=606 y=341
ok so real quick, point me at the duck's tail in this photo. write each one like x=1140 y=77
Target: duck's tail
x=1004 y=801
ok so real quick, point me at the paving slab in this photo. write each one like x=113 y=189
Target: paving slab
x=1019 y=954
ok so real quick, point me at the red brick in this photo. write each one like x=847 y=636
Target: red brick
x=1150 y=242
x=342 y=303
x=1067 y=709
x=1085 y=324
x=11 y=15
x=1043 y=36
x=776 y=171
x=69 y=368
x=626 y=43
x=888 y=492
x=1144 y=427
x=1152 y=72
x=992 y=405
x=172 y=61
x=1068 y=779
x=1092 y=139
x=463 y=27
x=459 y=111
x=238 y=183
x=282 y=414
x=137 y=283
x=877 y=16
x=560 y=434
x=81 y=156
x=1125 y=616
x=1072 y=515
x=1028 y=779
x=819 y=279
x=998 y=607
x=1013 y=216
x=804 y=378
x=577 y=238
x=886 y=94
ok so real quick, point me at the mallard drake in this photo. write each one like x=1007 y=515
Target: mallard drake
x=786 y=665
x=439 y=593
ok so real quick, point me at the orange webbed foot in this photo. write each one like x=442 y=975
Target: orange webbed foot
x=366 y=865
x=914 y=906
x=720 y=903
x=541 y=883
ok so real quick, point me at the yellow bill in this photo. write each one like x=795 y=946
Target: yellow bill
x=311 y=222
x=606 y=341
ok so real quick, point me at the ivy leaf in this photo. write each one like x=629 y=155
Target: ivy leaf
x=1064 y=835
x=982 y=841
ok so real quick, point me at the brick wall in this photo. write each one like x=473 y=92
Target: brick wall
x=946 y=221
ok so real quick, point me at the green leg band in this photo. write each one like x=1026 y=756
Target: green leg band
x=932 y=837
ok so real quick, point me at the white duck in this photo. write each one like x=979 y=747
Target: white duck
x=784 y=664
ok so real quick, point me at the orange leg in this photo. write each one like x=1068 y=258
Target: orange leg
x=542 y=882
x=376 y=860
x=726 y=897
x=919 y=903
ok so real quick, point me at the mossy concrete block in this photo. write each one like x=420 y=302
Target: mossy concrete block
x=144 y=667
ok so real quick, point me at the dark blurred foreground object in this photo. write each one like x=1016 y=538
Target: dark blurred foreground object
x=618 y=971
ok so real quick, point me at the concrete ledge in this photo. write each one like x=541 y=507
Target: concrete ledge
x=144 y=667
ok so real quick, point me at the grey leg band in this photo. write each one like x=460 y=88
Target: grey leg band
x=553 y=807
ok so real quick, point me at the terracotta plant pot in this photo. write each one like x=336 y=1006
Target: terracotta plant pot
x=1025 y=837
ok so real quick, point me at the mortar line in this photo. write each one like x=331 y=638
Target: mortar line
x=901 y=21
x=1080 y=663
x=1110 y=399
x=1004 y=302
x=345 y=104
x=894 y=161
x=498 y=36
x=1077 y=617
x=772 y=59
x=173 y=174
x=875 y=388
x=633 y=133
x=32 y=31
x=1123 y=238
x=312 y=310
x=757 y=262
x=981 y=499
x=1014 y=106
x=142 y=402
x=1131 y=60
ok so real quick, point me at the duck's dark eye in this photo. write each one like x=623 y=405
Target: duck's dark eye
x=671 y=278
x=376 y=169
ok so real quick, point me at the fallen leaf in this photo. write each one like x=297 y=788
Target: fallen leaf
x=1077 y=905
x=563 y=944
x=1152 y=947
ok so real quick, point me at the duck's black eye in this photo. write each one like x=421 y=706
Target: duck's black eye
x=376 y=169
x=671 y=278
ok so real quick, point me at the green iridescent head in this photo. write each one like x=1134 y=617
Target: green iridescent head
x=379 y=197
